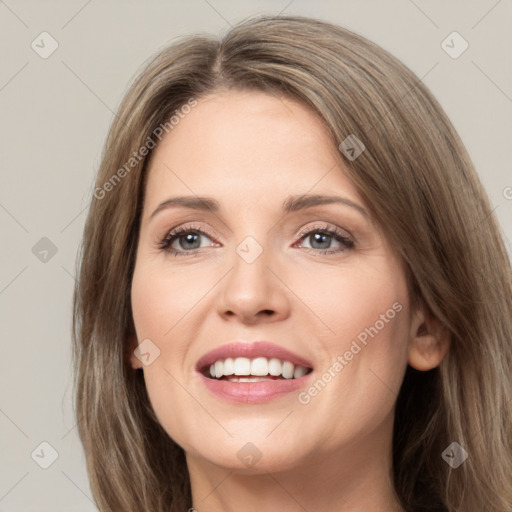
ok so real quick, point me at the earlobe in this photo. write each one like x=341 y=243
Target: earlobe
x=130 y=358
x=429 y=341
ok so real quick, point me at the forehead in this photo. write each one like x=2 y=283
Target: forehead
x=249 y=146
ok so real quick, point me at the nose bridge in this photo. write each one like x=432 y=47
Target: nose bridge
x=250 y=275
x=251 y=287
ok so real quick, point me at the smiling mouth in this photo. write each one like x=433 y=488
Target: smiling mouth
x=258 y=369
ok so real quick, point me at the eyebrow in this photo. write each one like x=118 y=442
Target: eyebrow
x=291 y=204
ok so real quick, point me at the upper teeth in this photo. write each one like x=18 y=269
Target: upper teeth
x=260 y=366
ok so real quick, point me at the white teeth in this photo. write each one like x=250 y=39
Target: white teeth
x=242 y=366
x=275 y=367
x=246 y=379
x=288 y=370
x=299 y=372
x=229 y=366
x=219 y=369
x=257 y=367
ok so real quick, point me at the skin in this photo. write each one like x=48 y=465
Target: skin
x=250 y=151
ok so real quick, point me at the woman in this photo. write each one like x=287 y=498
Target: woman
x=293 y=294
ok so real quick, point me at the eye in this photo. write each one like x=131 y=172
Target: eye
x=183 y=240
x=186 y=240
x=321 y=238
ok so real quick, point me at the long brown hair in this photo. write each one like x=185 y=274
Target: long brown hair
x=420 y=184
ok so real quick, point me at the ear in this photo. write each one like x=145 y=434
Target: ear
x=130 y=358
x=429 y=340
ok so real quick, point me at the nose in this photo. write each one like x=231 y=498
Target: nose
x=254 y=292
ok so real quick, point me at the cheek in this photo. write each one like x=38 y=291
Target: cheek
x=161 y=302
x=372 y=316
x=363 y=302
x=366 y=310
x=161 y=298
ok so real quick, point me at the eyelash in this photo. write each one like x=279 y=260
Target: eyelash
x=174 y=234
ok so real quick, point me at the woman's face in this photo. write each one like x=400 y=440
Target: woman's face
x=264 y=265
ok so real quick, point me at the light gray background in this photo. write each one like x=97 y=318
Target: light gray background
x=55 y=114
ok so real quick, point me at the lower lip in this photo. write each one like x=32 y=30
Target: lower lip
x=253 y=392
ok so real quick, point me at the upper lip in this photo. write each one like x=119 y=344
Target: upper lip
x=251 y=350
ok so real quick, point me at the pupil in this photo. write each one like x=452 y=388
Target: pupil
x=190 y=238
x=317 y=238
